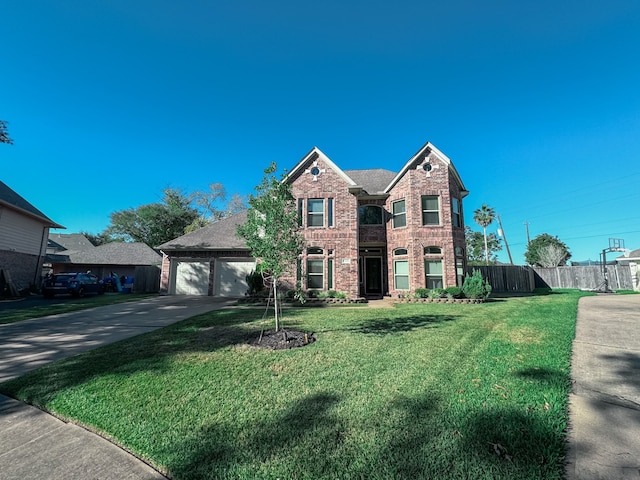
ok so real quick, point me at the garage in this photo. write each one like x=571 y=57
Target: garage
x=230 y=276
x=192 y=278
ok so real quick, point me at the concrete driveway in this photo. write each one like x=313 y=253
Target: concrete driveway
x=604 y=434
x=37 y=446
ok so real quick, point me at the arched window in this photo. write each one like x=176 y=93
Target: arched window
x=399 y=251
x=314 y=251
x=432 y=250
x=370 y=215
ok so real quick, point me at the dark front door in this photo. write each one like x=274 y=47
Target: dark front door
x=373 y=275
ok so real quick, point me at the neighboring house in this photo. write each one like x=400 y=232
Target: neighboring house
x=368 y=233
x=59 y=242
x=74 y=253
x=632 y=258
x=23 y=239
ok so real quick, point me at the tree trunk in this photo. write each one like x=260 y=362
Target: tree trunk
x=486 y=248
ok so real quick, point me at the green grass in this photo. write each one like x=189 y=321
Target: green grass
x=59 y=305
x=434 y=391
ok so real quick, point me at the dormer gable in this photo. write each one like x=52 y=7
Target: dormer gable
x=429 y=158
x=315 y=164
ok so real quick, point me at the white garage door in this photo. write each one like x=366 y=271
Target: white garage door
x=192 y=278
x=231 y=277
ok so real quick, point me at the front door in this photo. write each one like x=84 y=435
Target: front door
x=373 y=275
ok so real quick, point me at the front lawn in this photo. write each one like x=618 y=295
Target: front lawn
x=433 y=391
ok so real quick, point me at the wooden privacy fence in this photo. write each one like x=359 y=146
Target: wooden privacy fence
x=507 y=278
x=586 y=278
x=523 y=279
x=146 y=279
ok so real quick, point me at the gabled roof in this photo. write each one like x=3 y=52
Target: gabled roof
x=427 y=149
x=113 y=253
x=220 y=235
x=373 y=181
x=69 y=241
x=11 y=199
x=314 y=154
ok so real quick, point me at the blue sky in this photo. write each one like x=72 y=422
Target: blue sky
x=537 y=103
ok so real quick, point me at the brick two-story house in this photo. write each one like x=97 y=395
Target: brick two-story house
x=368 y=233
x=376 y=232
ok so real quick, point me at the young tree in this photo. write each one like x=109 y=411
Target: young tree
x=271 y=230
x=484 y=216
x=539 y=252
x=4 y=135
x=476 y=249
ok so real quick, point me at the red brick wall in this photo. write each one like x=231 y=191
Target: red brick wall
x=342 y=237
x=414 y=237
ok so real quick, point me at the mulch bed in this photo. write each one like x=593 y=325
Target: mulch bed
x=283 y=340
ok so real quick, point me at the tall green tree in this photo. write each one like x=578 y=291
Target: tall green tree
x=547 y=251
x=212 y=205
x=484 y=216
x=476 y=248
x=272 y=231
x=154 y=223
x=99 y=238
x=4 y=134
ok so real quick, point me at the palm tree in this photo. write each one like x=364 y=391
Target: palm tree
x=484 y=216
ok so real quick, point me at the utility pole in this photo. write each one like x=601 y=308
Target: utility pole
x=503 y=235
x=526 y=224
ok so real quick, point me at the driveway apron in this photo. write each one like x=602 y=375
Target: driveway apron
x=35 y=445
x=604 y=436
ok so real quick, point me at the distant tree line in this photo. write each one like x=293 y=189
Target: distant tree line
x=176 y=214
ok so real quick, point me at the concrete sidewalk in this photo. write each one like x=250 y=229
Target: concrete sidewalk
x=37 y=446
x=604 y=436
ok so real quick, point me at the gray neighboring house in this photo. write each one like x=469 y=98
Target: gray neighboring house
x=74 y=253
x=632 y=258
x=211 y=261
x=23 y=240
x=59 y=242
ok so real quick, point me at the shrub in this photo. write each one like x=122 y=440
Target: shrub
x=475 y=286
x=421 y=293
x=255 y=282
x=437 y=293
x=331 y=294
x=453 y=292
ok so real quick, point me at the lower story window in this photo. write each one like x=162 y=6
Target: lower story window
x=315 y=274
x=401 y=274
x=460 y=271
x=433 y=273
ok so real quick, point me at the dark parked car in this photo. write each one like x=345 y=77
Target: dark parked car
x=77 y=284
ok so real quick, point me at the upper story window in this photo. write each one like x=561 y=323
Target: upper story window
x=317 y=216
x=315 y=212
x=430 y=210
x=456 y=212
x=370 y=215
x=398 y=210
